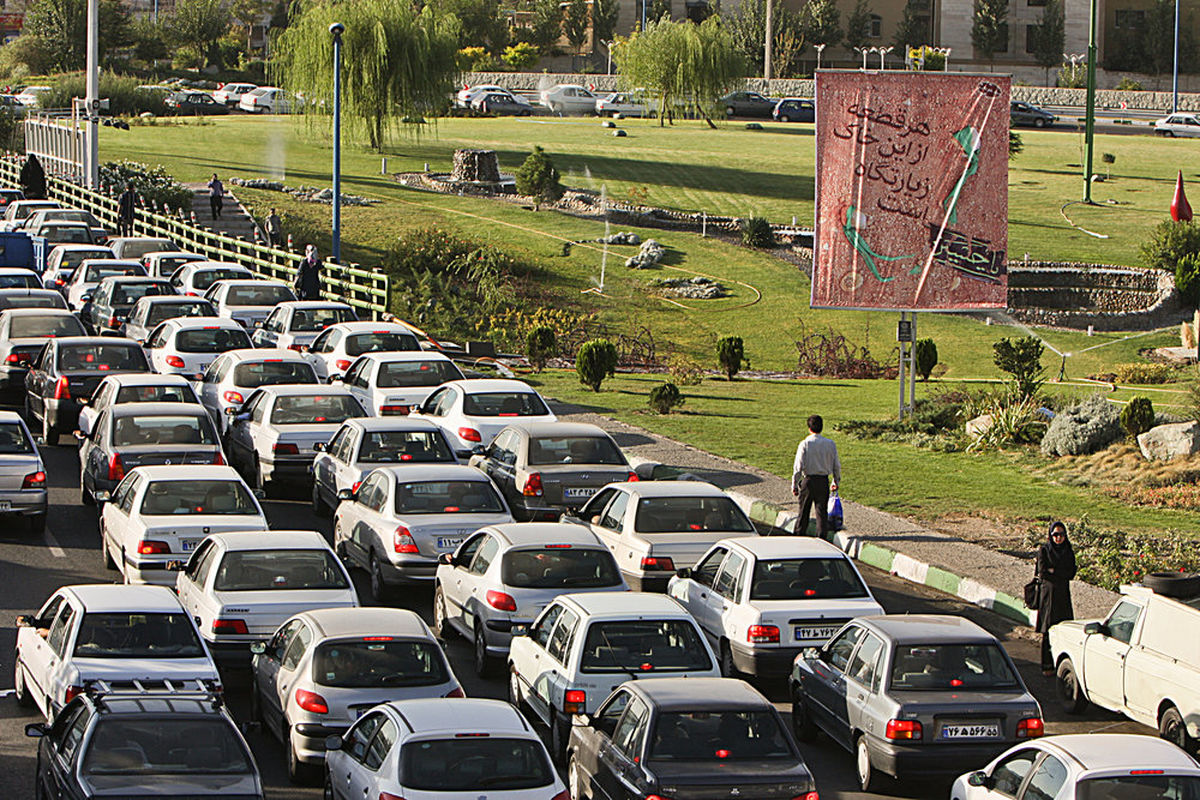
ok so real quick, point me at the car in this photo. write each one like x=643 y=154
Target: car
x=1186 y=125
x=197 y=277
x=89 y=632
x=390 y=384
x=657 y=527
x=31 y=298
x=595 y=641
x=150 y=312
x=113 y=300
x=546 y=468
x=913 y=694
x=366 y=443
x=266 y=100
x=64 y=258
x=231 y=93
x=473 y=411
x=272 y=437
x=325 y=668
x=8 y=195
x=19 y=278
x=240 y=587
x=335 y=348
x=503 y=575
x=22 y=474
x=1086 y=766
x=568 y=98
x=685 y=738
x=455 y=748
x=23 y=334
x=248 y=302
x=762 y=599
x=186 y=346
x=1022 y=113
x=794 y=109
x=133 y=387
x=626 y=104
x=164 y=263
x=158 y=515
x=297 y=323
x=134 y=247
x=747 y=104
x=400 y=520
x=131 y=435
x=99 y=232
x=30 y=94
x=501 y=104
x=57 y=232
x=68 y=370
x=232 y=376
x=194 y=104
x=467 y=96
x=90 y=272
x=16 y=211
x=111 y=742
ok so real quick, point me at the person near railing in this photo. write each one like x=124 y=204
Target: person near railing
x=216 y=196
x=126 y=207
x=274 y=229
x=308 y=276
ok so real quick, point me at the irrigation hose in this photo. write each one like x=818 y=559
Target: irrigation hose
x=1063 y=210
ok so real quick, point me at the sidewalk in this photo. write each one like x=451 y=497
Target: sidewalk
x=973 y=573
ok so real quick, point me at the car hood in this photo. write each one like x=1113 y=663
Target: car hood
x=228 y=787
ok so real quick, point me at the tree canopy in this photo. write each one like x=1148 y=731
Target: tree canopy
x=989 y=30
x=747 y=25
x=1049 y=36
x=913 y=30
x=60 y=29
x=858 y=25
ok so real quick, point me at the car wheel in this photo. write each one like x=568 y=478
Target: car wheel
x=1039 y=123
x=37 y=524
x=1172 y=728
x=20 y=689
x=1169 y=134
x=318 y=505
x=327 y=794
x=575 y=780
x=379 y=589
x=862 y=764
x=514 y=688
x=299 y=773
x=729 y=111
x=784 y=118
x=1070 y=693
x=260 y=481
x=108 y=559
x=728 y=668
x=49 y=434
x=802 y=721
x=441 y=626
x=484 y=663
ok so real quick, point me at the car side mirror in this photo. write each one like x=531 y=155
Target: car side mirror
x=337 y=378
x=479 y=450
x=520 y=630
x=980 y=779
x=239 y=417
x=83 y=401
x=320 y=447
x=581 y=721
x=258 y=325
x=87 y=298
x=813 y=654
x=36 y=730
x=80 y=435
x=333 y=742
x=258 y=648
x=684 y=572
x=1093 y=628
x=102 y=496
x=446 y=558
x=259 y=494
x=345 y=494
x=304 y=348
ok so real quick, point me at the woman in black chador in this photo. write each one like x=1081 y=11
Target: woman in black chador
x=1055 y=568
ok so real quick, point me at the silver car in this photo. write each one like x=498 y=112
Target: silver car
x=233 y=376
x=22 y=474
x=150 y=312
x=913 y=695
x=297 y=323
x=247 y=302
x=136 y=387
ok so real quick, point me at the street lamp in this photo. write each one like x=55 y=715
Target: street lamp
x=820 y=48
x=608 y=49
x=1175 y=66
x=336 y=30
x=864 y=51
x=883 y=51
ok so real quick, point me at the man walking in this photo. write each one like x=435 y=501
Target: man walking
x=274 y=229
x=816 y=461
x=126 y=203
x=216 y=196
x=308 y=275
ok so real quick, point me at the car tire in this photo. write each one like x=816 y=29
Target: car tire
x=1070 y=693
x=784 y=118
x=327 y=792
x=729 y=111
x=1039 y=123
x=109 y=564
x=441 y=625
x=1172 y=728
x=728 y=668
x=37 y=524
x=1173 y=584
x=485 y=665
x=380 y=593
x=20 y=688
x=863 y=767
x=575 y=780
x=299 y=773
x=49 y=433
x=802 y=722
x=318 y=505
x=514 y=688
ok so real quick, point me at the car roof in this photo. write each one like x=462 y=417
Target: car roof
x=1113 y=750
x=368 y=621
x=927 y=628
x=271 y=540
x=112 y=262
x=36 y=312
x=435 y=472
x=161 y=706
x=393 y=424
x=203 y=322
x=9 y=416
x=178 y=299
x=396 y=356
x=205 y=264
x=147 y=379
x=69 y=247
x=541 y=428
x=776 y=547
x=450 y=715
x=540 y=533
x=133 y=279
x=101 y=597
x=693 y=694
x=171 y=253
x=158 y=409
x=210 y=472
x=313 y=304
x=140 y=239
x=624 y=604
x=291 y=389
x=264 y=354
x=368 y=327
x=471 y=385
x=236 y=282
x=671 y=488
x=65 y=340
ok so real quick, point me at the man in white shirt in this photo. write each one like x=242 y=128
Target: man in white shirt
x=816 y=461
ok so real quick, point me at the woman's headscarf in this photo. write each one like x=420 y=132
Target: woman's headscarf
x=1059 y=553
x=310 y=252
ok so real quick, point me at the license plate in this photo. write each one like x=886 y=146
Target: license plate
x=448 y=542
x=189 y=544
x=982 y=731
x=810 y=632
x=580 y=493
x=5 y=505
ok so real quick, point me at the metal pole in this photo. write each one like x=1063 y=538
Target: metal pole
x=767 y=44
x=337 y=29
x=1175 y=68
x=912 y=363
x=901 y=376
x=91 y=162
x=1090 y=129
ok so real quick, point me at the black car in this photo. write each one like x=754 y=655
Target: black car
x=501 y=104
x=1025 y=114
x=144 y=742
x=23 y=333
x=113 y=300
x=794 y=109
x=686 y=739
x=747 y=104
x=31 y=298
x=194 y=103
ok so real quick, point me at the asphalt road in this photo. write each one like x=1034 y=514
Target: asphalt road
x=30 y=569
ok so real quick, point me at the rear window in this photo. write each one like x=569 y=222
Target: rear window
x=139 y=248
x=20 y=280
x=574 y=450
x=166 y=744
x=204 y=278
x=504 y=404
x=143 y=430
x=267 y=295
x=253 y=374
x=447 y=497
x=1139 y=787
x=198 y=497
x=416 y=373
x=380 y=342
x=266 y=570
x=67 y=234
x=719 y=736
x=130 y=293
x=73 y=258
x=559 y=567
x=379 y=662
x=156 y=394
x=137 y=635
x=684 y=514
x=951 y=667
x=475 y=764
x=644 y=646
x=13 y=440
x=161 y=312
x=309 y=320
x=211 y=340
x=805 y=578
x=101 y=357
x=28 y=327
x=389 y=447
x=312 y=409
x=97 y=273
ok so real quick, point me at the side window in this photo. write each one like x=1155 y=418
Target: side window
x=372 y=493
x=100 y=429
x=614 y=515
x=634 y=717
x=1011 y=772
x=362 y=379
x=541 y=628
x=257 y=407
x=596 y=505
x=211 y=374
x=358 y=738
x=466 y=553
x=158 y=338
x=864 y=667
x=610 y=713
x=380 y=496
x=74 y=734
x=352 y=374
x=125 y=503
x=45 y=617
x=483 y=559
x=729 y=581
x=296 y=649
x=446 y=402
x=841 y=647
x=502 y=448
x=336 y=442
x=1047 y=779
x=101 y=395
x=280 y=640
x=61 y=629
x=706 y=571
x=274 y=321
x=381 y=745
x=1121 y=621
x=562 y=635
x=432 y=402
x=332 y=342
x=197 y=563
x=318 y=345
x=345 y=453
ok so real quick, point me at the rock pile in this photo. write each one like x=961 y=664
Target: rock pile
x=622 y=237
x=651 y=253
x=696 y=288
x=476 y=166
x=308 y=194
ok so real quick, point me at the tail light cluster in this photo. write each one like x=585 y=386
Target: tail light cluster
x=150 y=547
x=116 y=467
x=574 y=701
x=658 y=564
x=285 y=449
x=1030 y=728
x=501 y=601
x=456 y=692
x=71 y=693
x=233 y=397
x=903 y=729
x=403 y=542
x=311 y=701
x=299 y=348
x=34 y=480
x=394 y=411
x=342 y=364
x=469 y=435
x=763 y=634
x=230 y=626
x=632 y=477
x=218 y=459
x=533 y=485
x=19 y=358
x=62 y=389
x=175 y=361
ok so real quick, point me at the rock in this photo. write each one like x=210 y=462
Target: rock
x=650 y=254
x=619 y=133
x=621 y=237
x=696 y=288
x=476 y=165
x=608 y=123
x=1165 y=442
x=979 y=425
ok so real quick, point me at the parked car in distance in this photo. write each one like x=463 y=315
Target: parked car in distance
x=466 y=96
x=163 y=263
x=23 y=334
x=1022 y=113
x=627 y=104
x=135 y=247
x=22 y=475
x=568 y=98
x=1185 y=125
x=196 y=277
x=794 y=109
x=231 y=378
x=231 y=93
x=186 y=346
x=29 y=95
x=296 y=323
x=130 y=387
x=336 y=348
x=747 y=104
x=391 y=384
x=501 y=105
x=194 y=104
x=266 y=100
x=473 y=411
x=150 y=312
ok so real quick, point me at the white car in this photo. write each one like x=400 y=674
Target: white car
x=18 y=210
x=164 y=263
x=597 y=641
x=63 y=259
x=265 y=100
x=103 y=632
x=390 y=384
x=657 y=527
x=335 y=348
x=240 y=587
x=272 y=437
x=458 y=749
x=134 y=387
x=22 y=474
x=366 y=443
x=326 y=668
x=400 y=520
x=627 y=104
x=473 y=411
x=29 y=95
x=1186 y=125
x=467 y=96
x=187 y=345
x=197 y=277
x=569 y=98
x=150 y=312
x=137 y=246
x=762 y=599
x=1093 y=766
x=247 y=302
x=90 y=272
x=297 y=323
x=157 y=516
x=230 y=94
x=19 y=278
x=233 y=376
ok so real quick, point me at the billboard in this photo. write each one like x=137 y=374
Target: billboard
x=912 y=191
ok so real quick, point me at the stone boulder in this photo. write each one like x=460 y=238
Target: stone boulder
x=1165 y=442
x=979 y=425
x=651 y=253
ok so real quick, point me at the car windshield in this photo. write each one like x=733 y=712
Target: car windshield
x=137 y=634
x=13 y=440
x=198 y=497
x=73 y=258
x=379 y=661
x=504 y=404
x=951 y=667
x=475 y=764
x=574 y=450
x=308 y=320
x=447 y=497
x=416 y=373
x=130 y=293
x=133 y=431
x=156 y=394
x=96 y=273
x=68 y=215
x=168 y=264
x=31 y=326
x=101 y=358
x=211 y=339
x=380 y=342
x=684 y=514
x=316 y=408
x=20 y=280
x=268 y=570
x=804 y=579
x=719 y=736
x=166 y=744
x=253 y=374
x=161 y=312
x=204 y=278
x=390 y=447
x=560 y=566
x=1139 y=787
x=265 y=295
x=139 y=247
x=644 y=646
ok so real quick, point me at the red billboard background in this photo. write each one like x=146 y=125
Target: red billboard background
x=912 y=191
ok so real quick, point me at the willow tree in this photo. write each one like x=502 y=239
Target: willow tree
x=686 y=65
x=398 y=63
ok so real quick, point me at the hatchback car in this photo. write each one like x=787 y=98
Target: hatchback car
x=114 y=298
x=197 y=277
x=473 y=411
x=22 y=474
x=747 y=104
x=90 y=272
x=194 y=104
x=187 y=345
x=247 y=302
x=233 y=376
x=134 y=247
x=794 y=109
x=390 y=384
x=62 y=260
x=501 y=105
x=1021 y=113
x=150 y=312
x=568 y=98
x=142 y=387
x=917 y=694
x=334 y=350
x=297 y=323
x=23 y=334
x=164 y=263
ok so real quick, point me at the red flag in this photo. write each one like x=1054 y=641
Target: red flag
x=1181 y=210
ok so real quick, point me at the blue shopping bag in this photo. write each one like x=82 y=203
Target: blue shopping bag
x=834 y=514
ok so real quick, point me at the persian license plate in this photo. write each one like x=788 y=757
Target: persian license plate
x=986 y=730
x=189 y=545
x=448 y=542
x=579 y=492
x=5 y=505
x=810 y=632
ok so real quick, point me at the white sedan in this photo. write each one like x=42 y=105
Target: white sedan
x=164 y=263
x=105 y=632
x=390 y=384
x=294 y=325
x=197 y=277
x=332 y=352
x=247 y=302
x=627 y=104
x=233 y=376
x=187 y=345
x=569 y=98
x=1185 y=125
x=467 y=95
x=134 y=387
x=473 y=411
x=230 y=94
x=157 y=516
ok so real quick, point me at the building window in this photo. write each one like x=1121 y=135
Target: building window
x=1035 y=3
x=875 y=27
x=1031 y=38
x=1130 y=19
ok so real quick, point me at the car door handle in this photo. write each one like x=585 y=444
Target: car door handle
x=197 y=619
x=703 y=595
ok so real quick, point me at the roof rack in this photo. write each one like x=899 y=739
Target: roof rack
x=203 y=690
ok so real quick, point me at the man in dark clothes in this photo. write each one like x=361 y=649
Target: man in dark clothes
x=274 y=229
x=1055 y=569
x=126 y=204
x=308 y=277
x=216 y=196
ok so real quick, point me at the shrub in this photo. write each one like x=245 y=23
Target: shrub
x=756 y=232
x=1022 y=359
x=1144 y=373
x=1187 y=279
x=473 y=59
x=124 y=97
x=153 y=184
x=1015 y=421
x=509 y=327
x=521 y=56
x=1015 y=144
x=1109 y=558
x=1085 y=427
x=595 y=361
x=730 y=355
x=664 y=397
x=538 y=178
x=1128 y=84
x=540 y=345
x=926 y=356
x=1170 y=243
x=683 y=371
x=1137 y=416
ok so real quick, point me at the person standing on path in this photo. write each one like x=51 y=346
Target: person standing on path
x=816 y=460
x=216 y=196
x=126 y=203
x=274 y=229
x=1055 y=569
x=308 y=276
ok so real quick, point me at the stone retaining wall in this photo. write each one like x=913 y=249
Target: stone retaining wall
x=1106 y=297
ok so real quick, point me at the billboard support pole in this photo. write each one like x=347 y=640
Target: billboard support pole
x=906 y=335
x=912 y=364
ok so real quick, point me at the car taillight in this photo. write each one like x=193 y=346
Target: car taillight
x=656 y=797
x=311 y=701
x=229 y=626
x=389 y=796
x=34 y=480
x=563 y=795
x=116 y=467
x=175 y=361
x=533 y=485
x=903 y=729
x=342 y=363
x=632 y=477
x=297 y=347
x=149 y=547
x=456 y=692
x=762 y=634
x=218 y=459
x=469 y=435
x=808 y=796
x=285 y=449
x=114 y=322
x=403 y=542
x=501 y=601
x=574 y=701
x=71 y=693
x=660 y=563
x=19 y=358
x=1030 y=728
x=233 y=397
x=62 y=389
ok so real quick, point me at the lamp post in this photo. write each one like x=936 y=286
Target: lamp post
x=1089 y=131
x=607 y=49
x=336 y=30
x=863 y=51
x=1175 y=67
x=883 y=51
x=820 y=48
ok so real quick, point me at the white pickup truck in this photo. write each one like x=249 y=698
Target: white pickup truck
x=1142 y=660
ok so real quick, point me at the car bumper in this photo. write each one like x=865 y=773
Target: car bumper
x=25 y=502
x=292 y=469
x=647 y=582
x=308 y=738
x=902 y=760
x=498 y=634
x=409 y=570
x=152 y=573
x=12 y=382
x=764 y=661
x=230 y=655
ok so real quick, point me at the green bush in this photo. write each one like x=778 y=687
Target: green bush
x=1087 y=426
x=664 y=397
x=730 y=354
x=153 y=184
x=1022 y=359
x=596 y=360
x=540 y=345
x=927 y=357
x=1170 y=243
x=683 y=371
x=1128 y=84
x=1187 y=279
x=538 y=178
x=125 y=99
x=1144 y=373
x=756 y=232
x=1137 y=416
x=521 y=56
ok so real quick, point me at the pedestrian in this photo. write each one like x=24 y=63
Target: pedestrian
x=274 y=229
x=816 y=461
x=308 y=276
x=126 y=203
x=1054 y=571
x=216 y=196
